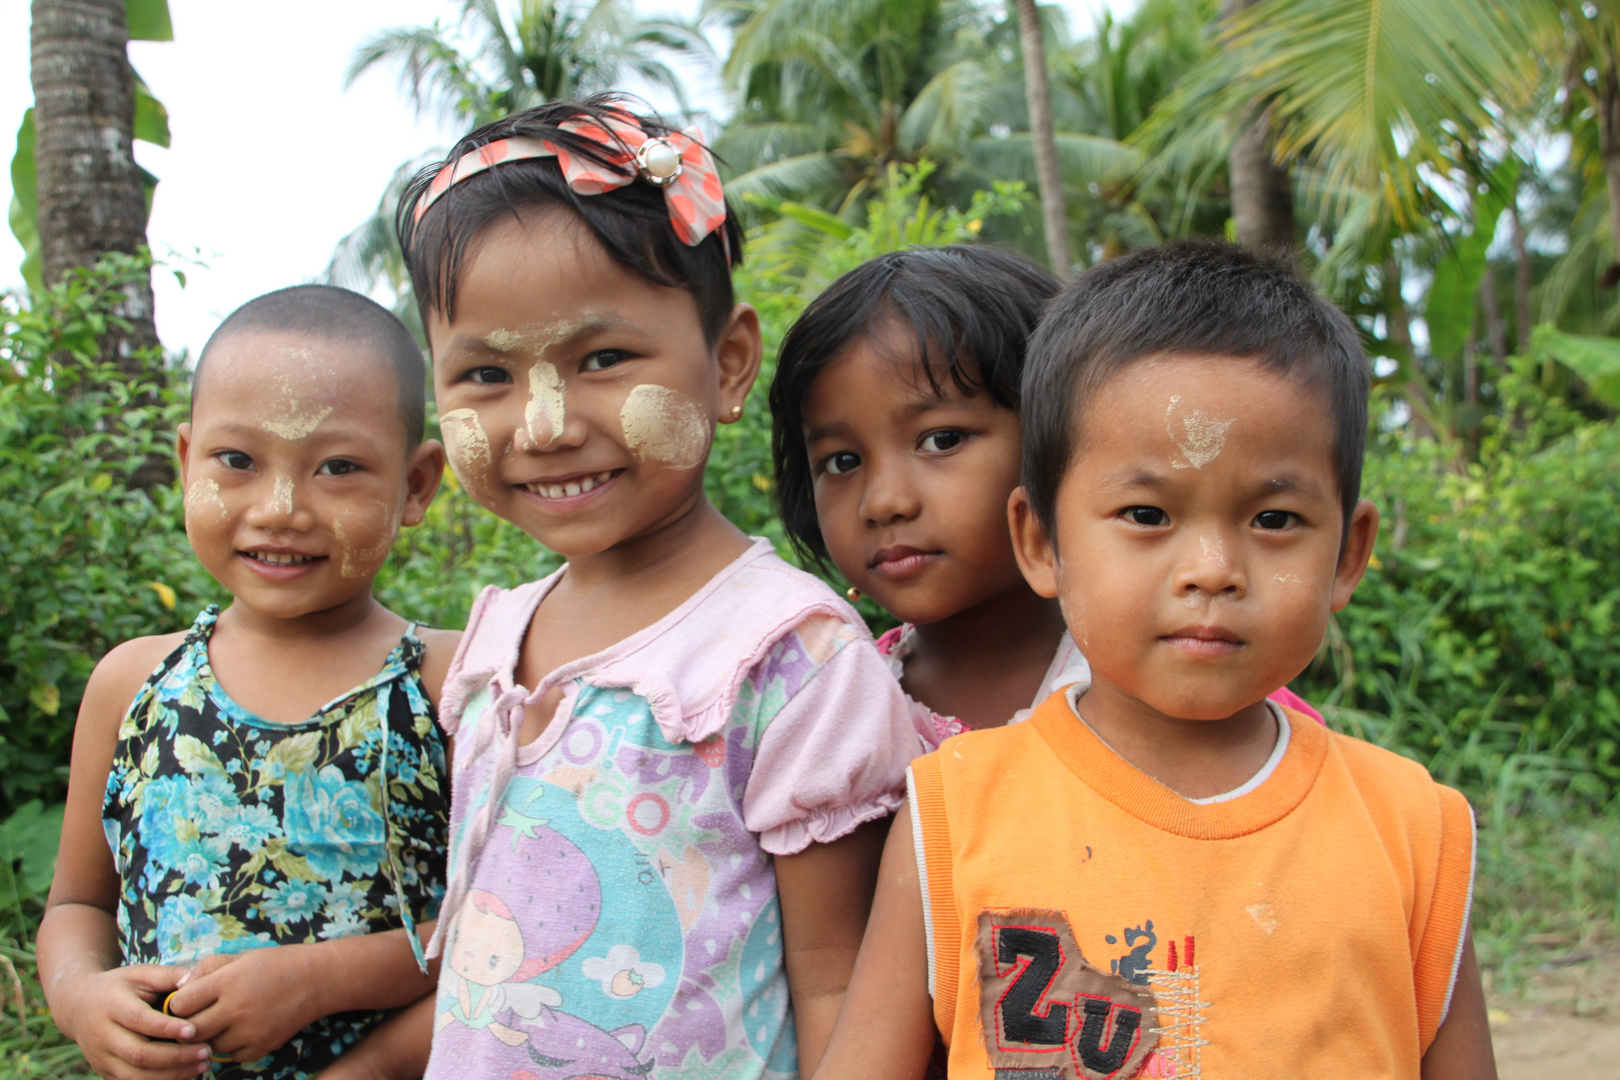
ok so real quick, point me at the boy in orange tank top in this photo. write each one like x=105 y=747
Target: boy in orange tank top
x=1161 y=873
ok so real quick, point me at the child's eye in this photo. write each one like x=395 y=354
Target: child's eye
x=602 y=359
x=488 y=375
x=337 y=467
x=234 y=460
x=1275 y=519
x=841 y=462
x=939 y=441
x=1145 y=515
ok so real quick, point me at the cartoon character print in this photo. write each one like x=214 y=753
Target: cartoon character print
x=666 y=957
x=564 y=1047
x=494 y=953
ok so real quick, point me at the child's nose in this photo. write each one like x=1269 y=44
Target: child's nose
x=1210 y=567
x=889 y=495
x=278 y=504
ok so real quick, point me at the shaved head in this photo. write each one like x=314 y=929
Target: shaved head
x=331 y=314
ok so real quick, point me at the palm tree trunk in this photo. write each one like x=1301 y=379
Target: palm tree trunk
x=1491 y=306
x=91 y=199
x=1521 y=281
x=1037 y=89
x=1262 y=190
x=1608 y=110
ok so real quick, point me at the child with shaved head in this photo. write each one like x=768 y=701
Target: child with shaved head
x=256 y=810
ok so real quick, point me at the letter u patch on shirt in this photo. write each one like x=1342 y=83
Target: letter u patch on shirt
x=1046 y=1013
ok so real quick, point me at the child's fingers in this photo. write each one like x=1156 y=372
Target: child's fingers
x=213 y=1022
x=133 y=1014
x=198 y=988
x=154 y=981
x=136 y=1058
x=207 y=966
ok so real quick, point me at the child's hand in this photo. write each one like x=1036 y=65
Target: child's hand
x=115 y=1017
x=248 y=1005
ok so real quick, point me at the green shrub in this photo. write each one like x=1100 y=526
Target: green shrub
x=1482 y=639
x=88 y=560
x=1480 y=643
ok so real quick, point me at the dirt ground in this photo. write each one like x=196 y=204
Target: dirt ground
x=1562 y=1017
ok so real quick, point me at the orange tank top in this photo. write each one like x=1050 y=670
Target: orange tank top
x=1085 y=921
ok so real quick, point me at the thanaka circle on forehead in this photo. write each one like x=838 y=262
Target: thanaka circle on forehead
x=364 y=330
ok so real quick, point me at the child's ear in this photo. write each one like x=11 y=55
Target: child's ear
x=182 y=447
x=422 y=475
x=1036 y=556
x=1358 y=548
x=738 y=352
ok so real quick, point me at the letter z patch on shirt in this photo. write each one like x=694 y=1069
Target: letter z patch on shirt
x=1046 y=1013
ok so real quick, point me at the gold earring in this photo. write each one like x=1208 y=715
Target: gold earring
x=853 y=593
x=736 y=411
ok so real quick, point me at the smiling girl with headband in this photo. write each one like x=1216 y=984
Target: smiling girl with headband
x=666 y=751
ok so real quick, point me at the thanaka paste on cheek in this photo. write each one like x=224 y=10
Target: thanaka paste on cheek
x=1204 y=436
x=661 y=424
x=357 y=564
x=466 y=444
x=545 y=411
x=203 y=496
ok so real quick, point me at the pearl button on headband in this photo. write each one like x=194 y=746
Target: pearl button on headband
x=678 y=162
x=658 y=162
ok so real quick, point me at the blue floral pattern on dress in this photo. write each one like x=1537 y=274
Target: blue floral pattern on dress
x=230 y=832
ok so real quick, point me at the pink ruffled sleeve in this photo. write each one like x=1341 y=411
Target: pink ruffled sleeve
x=1290 y=700
x=835 y=754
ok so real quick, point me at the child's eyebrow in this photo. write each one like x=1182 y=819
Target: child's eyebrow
x=561 y=333
x=1133 y=476
x=825 y=431
x=1289 y=483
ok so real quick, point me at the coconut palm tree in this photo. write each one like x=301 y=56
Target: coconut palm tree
x=1262 y=187
x=91 y=196
x=495 y=60
x=1038 y=89
x=1357 y=92
x=832 y=92
x=1588 y=37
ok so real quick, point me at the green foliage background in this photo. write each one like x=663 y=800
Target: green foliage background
x=1480 y=642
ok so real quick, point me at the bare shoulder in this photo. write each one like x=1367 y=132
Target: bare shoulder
x=440 y=650
x=118 y=677
x=107 y=696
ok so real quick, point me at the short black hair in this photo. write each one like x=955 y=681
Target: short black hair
x=1198 y=298
x=328 y=313
x=630 y=222
x=970 y=309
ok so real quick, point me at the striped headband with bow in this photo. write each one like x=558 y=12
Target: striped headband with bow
x=678 y=162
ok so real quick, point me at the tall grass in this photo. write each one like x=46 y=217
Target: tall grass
x=1548 y=856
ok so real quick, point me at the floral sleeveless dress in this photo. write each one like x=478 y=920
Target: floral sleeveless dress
x=230 y=832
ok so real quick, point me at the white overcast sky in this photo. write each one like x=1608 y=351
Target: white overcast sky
x=271 y=160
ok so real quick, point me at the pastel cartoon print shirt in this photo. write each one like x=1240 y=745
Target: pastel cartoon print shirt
x=612 y=911
x=230 y=832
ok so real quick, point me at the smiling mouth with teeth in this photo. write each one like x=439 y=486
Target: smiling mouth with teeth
x=578 y=486
x=278 y=558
